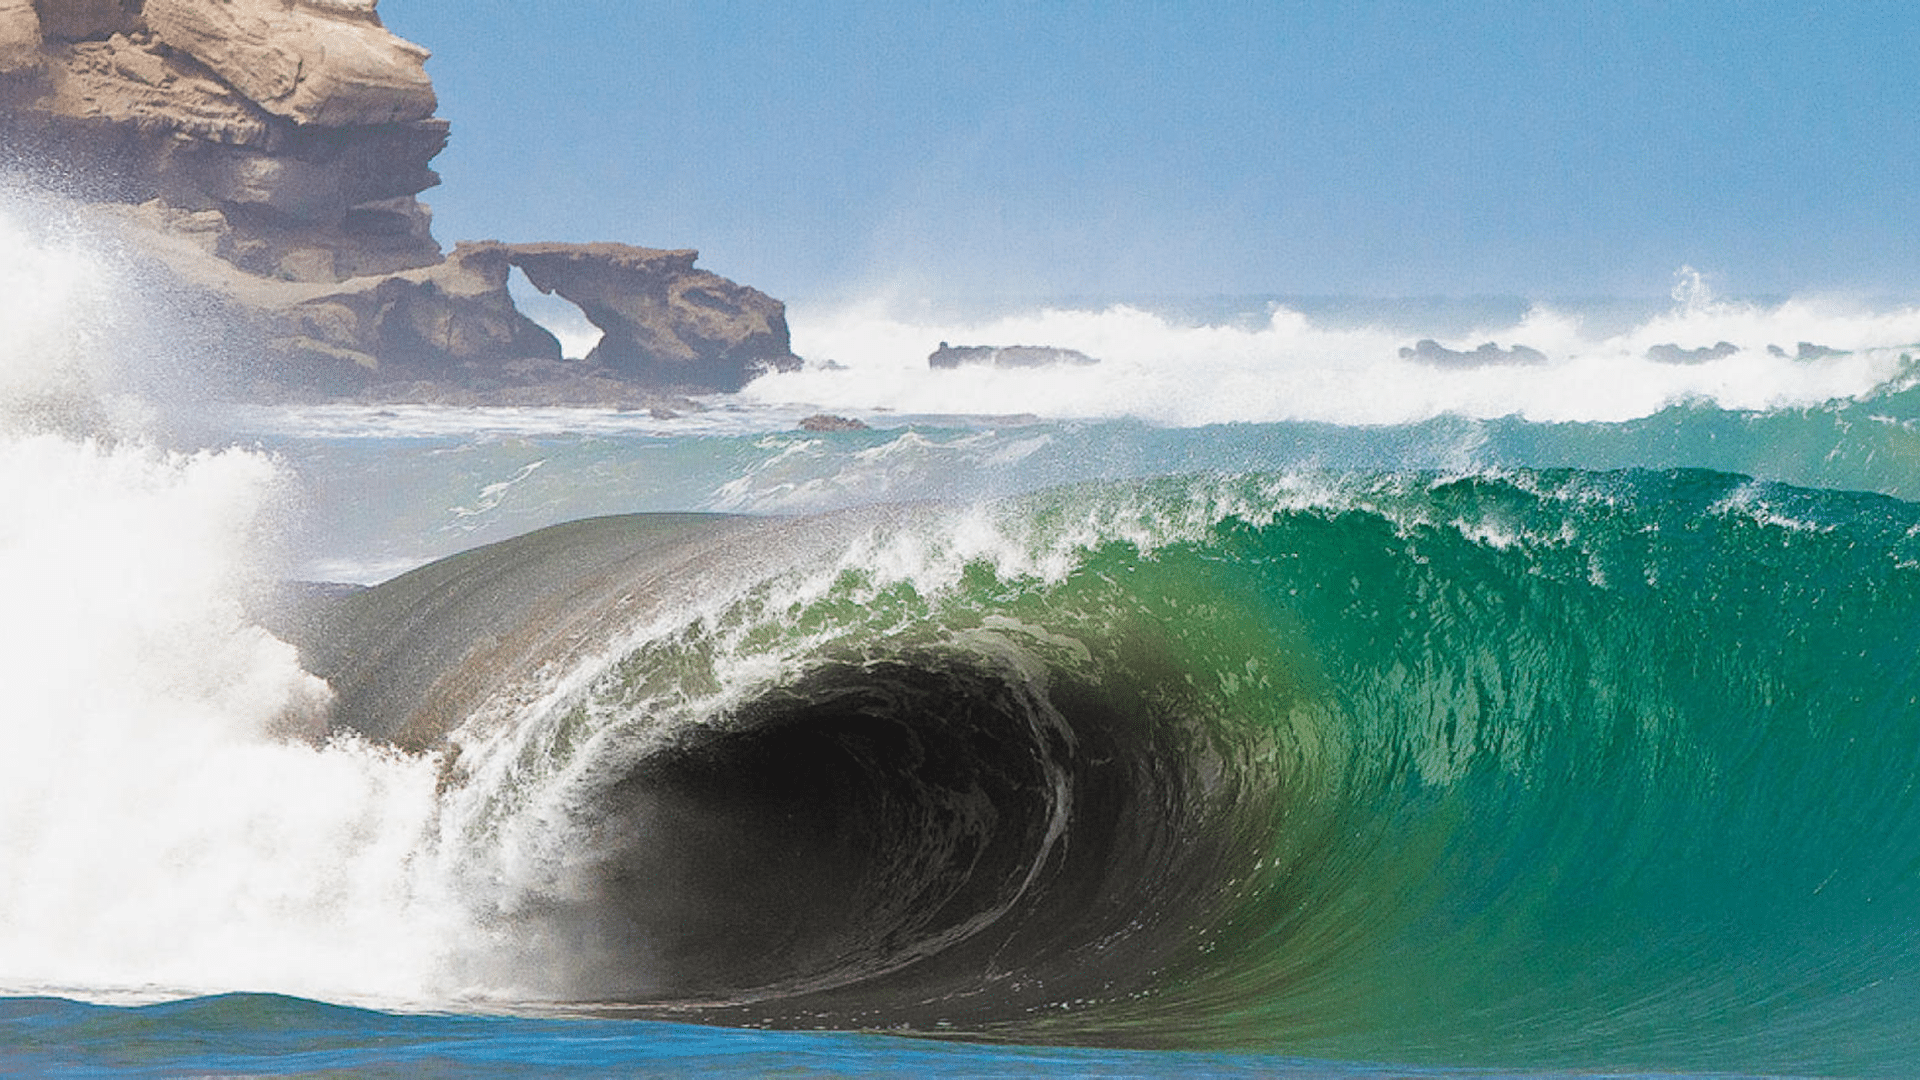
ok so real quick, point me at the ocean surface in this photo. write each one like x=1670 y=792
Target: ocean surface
x=1278 y=696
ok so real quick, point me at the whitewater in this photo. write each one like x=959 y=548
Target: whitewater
x=1271 y=696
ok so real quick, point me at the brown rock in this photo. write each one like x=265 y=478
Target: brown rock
x=664 y=323
x=19 y=36
x=329 y=64
x=137 y=118
x=374 y=238
x=421 y=334
x=318 y=175
x=1006 y=356
x=267 y=154
x=424 y=323
x=821 y=422
x=133 y=82
x=78 y=20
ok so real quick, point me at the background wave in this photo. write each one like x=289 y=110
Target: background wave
x=1255 y=361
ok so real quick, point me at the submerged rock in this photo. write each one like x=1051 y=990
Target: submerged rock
x=1807 y=350
x=1005 y=356
x=1429 y=351
x=1674 y=354
x=830 y=422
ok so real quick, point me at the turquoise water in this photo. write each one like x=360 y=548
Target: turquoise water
x=1556 y=770
x=386 y=497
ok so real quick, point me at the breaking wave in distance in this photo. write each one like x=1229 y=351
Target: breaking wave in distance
x=1345 y=366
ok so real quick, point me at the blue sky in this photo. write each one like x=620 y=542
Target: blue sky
x=821 y=150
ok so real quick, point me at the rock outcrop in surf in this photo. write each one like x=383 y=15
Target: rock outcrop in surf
x=270 y=153
x=1671 y=353
x=1006 y=356
x=1429 y=351
x=1806 y=350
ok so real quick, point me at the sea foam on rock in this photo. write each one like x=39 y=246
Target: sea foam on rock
x=269 y=153
x=1006 y=356
x=1429 y=351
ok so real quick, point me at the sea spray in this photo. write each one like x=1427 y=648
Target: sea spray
x=1289 y=366
x=1241 y=386
x=172 y=819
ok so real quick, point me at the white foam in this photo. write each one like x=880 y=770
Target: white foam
x=166 y=826
x=863 y=359
x=162 y=823
x=715 y=416
x=561 y=317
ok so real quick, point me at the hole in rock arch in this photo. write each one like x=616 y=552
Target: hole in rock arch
x=562 y=317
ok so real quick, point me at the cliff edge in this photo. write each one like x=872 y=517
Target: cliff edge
x=270 y=153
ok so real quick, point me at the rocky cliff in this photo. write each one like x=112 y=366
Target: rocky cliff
x=304 y=129
x=270 y=153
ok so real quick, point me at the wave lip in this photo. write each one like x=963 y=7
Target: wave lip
x=1539 y=767
x=940 y=824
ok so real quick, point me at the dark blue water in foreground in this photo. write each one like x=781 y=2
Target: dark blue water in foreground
x=269 y=1035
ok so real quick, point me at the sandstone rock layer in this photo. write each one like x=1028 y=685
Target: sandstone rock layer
x=329 y=64
x=272 y=152
x=306 y=126
x=19 y=36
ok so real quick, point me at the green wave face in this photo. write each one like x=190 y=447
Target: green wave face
x=1545 y=768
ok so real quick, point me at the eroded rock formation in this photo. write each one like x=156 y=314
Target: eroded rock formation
x=418 y=322
x=327 y=63
x=305 y=126
x=664 y=322
x=271 y=152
